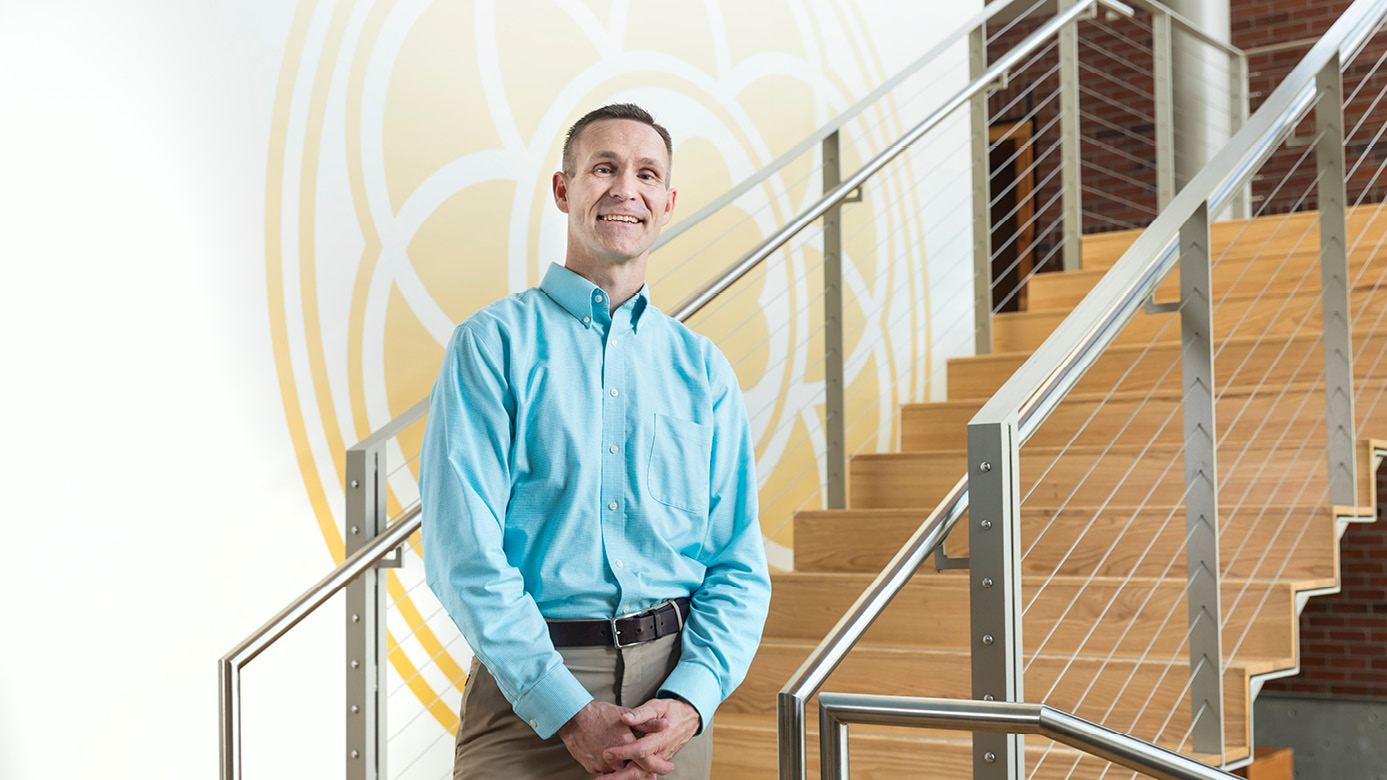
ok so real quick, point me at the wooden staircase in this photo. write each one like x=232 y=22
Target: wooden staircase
x=1102 y=526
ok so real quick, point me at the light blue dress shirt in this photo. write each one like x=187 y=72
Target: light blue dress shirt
x=581 y=465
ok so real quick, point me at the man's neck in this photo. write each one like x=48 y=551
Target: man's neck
x=620 y=282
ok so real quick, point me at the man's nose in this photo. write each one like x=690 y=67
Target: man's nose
x=623 y=186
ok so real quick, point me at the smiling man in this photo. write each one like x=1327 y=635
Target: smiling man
x=589 y=498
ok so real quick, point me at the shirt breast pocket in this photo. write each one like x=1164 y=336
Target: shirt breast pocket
x=680 y=460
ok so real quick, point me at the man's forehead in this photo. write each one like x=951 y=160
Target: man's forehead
x=612 y=154
x=621 y=138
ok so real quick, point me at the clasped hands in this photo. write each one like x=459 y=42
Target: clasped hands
x=618 y=743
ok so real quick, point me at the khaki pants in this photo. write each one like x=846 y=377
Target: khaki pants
x=493 y=742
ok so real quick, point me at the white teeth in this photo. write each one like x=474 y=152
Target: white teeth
x=619 y=218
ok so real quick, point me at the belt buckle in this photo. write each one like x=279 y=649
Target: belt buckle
x=616 y=634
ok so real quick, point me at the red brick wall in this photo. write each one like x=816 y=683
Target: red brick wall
x=1343 y=637
x=1116 y=102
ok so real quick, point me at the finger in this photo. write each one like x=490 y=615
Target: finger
x=641 y=714
x=652 y=726
x=654 y=764
x=645 y=746
x=628 y=772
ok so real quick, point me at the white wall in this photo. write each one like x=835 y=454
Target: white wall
x=161 y=510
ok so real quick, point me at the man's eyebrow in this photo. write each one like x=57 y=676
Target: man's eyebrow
x=648 y=162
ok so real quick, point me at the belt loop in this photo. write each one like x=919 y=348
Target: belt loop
x=678 y=613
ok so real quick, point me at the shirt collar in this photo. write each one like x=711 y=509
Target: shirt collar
x=579 y=297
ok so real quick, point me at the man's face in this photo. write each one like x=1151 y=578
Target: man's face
x=616 y=196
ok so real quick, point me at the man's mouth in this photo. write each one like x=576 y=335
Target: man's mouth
x=619 y=218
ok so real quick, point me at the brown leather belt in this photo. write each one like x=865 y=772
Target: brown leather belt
x=666 y=619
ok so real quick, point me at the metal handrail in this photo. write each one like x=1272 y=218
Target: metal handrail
x=990 y=11
x=837 y=710
x=837 y=195
x=834 y=125
x=229 y=666
x=1037 y=387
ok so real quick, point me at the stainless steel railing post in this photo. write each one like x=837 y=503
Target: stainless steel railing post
x=1338 y=346
x=1201 y=483
x=1070 y=151
x=1242 y=202
x=982 y=197
x=833 y=746
x=1163 y=83
x=835 y=425
x=366 y=519
x=994 y=554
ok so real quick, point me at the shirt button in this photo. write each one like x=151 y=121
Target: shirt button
x=586 y=320
x=533 y=724
x=612 y=505
x=614 y=392
x=620 y=565
x=597 y=297
x=614 y=449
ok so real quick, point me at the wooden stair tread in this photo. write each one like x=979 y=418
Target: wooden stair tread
x=1238 y=313
x=1299 y=541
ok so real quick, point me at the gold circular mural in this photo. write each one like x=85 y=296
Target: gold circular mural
x=408 y=185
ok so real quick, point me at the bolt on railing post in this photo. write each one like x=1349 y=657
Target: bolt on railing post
x=982 y=206
x=834 y=406
x=1072 y=198
x=994 y=571
x=1201 y=484
x=365 y=616
x=1165 y=108
x=1338 y=346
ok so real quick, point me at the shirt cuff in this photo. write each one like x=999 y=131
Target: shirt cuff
x=698 y=686
x=552 y=701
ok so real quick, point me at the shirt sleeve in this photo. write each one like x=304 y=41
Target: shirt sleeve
x=464 y=485
x=728 y=611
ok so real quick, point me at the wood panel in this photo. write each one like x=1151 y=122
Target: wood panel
x=1133 y=368
x=1279 y=314
x=1092 y=419
x=1258 y=541
x=1093 y=476
x=1128 y=617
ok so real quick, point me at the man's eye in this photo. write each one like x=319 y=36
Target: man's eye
x=604 y=169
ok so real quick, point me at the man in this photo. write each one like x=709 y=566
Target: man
x=590 y=500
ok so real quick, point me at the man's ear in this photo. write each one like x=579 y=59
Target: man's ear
x=560 y=188
x=669 y=208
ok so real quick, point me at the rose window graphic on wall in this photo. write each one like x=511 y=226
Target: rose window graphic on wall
x=408 y=185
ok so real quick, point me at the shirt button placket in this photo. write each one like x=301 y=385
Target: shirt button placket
x=614 y=470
